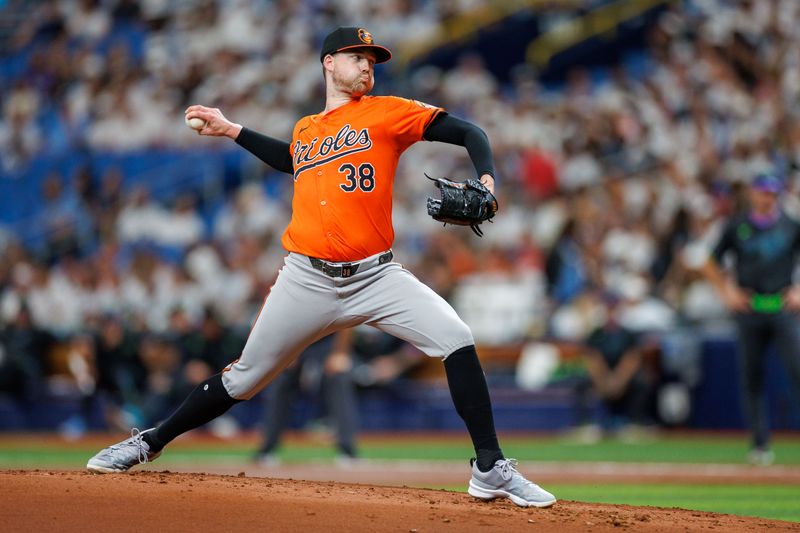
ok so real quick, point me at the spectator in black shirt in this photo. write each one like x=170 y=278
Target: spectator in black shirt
x=764 y=243
x=23 y=347
x=621 y=375
x=120 y=373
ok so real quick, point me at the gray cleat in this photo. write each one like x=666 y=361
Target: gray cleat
x=123 y=455
x=504 y=481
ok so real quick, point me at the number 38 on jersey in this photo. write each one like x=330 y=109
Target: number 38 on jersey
x=361 y=177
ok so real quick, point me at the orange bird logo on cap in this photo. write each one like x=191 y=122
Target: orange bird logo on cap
x=365 y=36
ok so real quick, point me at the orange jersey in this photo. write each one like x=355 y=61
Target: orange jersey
x=344 y=163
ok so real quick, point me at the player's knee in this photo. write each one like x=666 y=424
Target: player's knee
x=461 y=353
x=461 y=337
x=240 y=386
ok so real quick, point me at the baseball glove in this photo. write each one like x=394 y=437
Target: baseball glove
x=464 y=203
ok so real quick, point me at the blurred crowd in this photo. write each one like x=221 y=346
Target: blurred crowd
x=611 y=186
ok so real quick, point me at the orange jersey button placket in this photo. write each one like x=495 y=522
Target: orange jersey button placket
x=322 y=187
x=324 y=213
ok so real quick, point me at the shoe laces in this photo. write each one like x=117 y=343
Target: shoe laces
x=508 y=470
x=135 y=440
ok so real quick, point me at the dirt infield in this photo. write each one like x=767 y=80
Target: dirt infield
x=71 y=501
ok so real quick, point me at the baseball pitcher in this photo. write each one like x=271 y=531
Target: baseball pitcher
x=339 y=271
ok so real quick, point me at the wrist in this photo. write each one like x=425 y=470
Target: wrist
x=488 y=182
x=234 y=130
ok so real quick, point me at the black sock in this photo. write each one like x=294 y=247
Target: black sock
x=205 y=403
x=487 y=458
x=471 y=398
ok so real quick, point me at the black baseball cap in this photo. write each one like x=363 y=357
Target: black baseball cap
x=351 y=37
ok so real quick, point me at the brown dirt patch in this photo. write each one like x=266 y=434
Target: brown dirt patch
x=68 y=501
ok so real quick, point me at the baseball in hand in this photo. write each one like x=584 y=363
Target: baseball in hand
x=195 y=123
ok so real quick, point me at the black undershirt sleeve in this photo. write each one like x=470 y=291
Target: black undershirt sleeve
x=271 y=151
x=449 y=129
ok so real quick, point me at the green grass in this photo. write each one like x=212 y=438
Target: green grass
x=779 y=502
x=670 y=449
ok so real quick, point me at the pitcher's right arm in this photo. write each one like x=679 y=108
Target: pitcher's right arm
x=271 y=151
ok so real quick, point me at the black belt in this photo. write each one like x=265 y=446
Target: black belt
x=345 y=270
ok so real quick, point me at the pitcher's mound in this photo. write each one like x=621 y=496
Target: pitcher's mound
x=166 y=501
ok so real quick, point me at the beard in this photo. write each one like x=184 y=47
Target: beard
x=354 y=85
